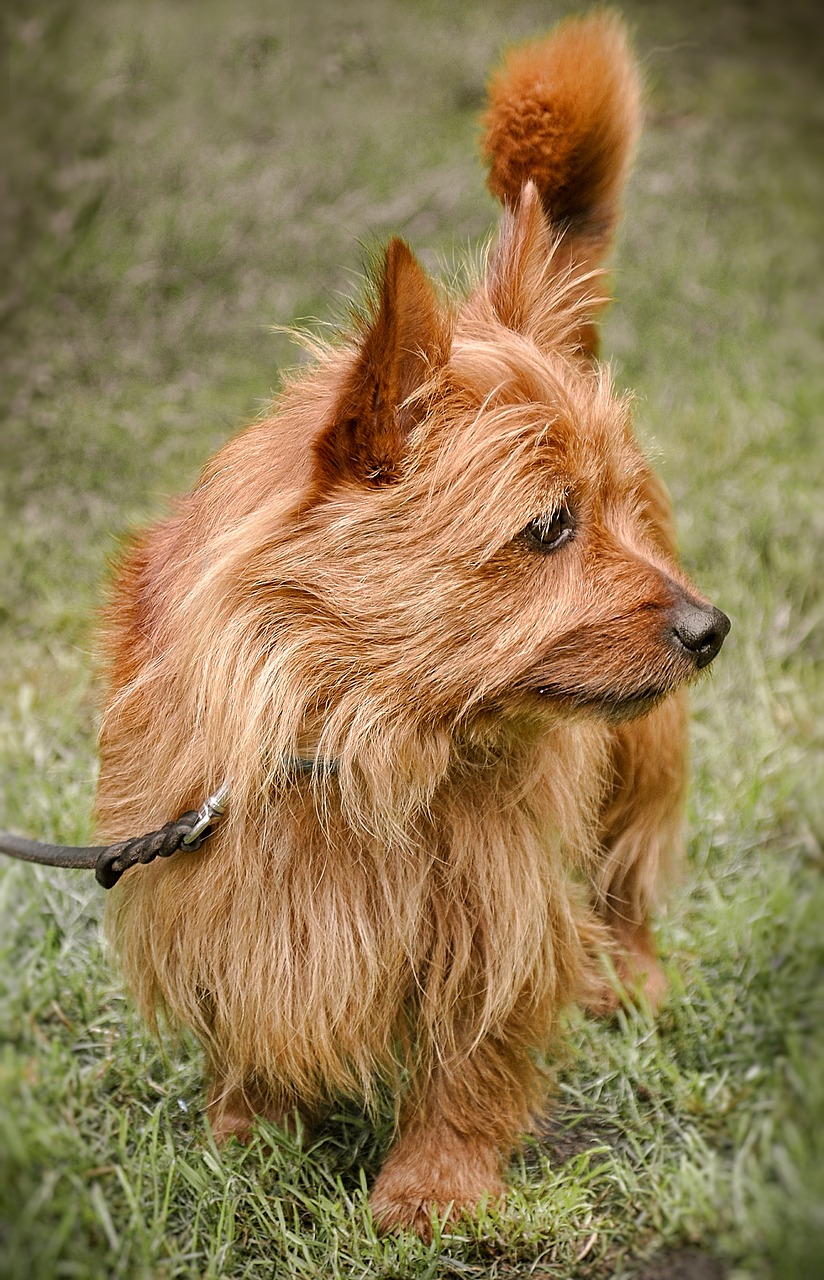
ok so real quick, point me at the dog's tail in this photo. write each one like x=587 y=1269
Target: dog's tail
x=564 y=111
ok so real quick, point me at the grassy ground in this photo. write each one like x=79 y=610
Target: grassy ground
x=179 y=177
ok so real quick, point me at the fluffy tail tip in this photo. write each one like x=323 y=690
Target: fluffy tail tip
x=565 y=112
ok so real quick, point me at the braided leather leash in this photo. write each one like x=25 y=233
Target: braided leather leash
x=188 y=832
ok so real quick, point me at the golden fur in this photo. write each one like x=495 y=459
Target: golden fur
x=355 y=579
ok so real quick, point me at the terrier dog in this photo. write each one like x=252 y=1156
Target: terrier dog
x=428 y=618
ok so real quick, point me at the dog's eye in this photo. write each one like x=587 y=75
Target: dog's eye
x=551 y=530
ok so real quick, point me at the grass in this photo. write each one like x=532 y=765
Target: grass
x=177 y=179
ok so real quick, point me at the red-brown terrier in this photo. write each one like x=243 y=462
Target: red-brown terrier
x=429 y=619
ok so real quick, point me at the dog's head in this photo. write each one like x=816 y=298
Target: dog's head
x=481 y=529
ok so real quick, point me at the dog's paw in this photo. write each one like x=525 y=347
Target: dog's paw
x=651 y=986
x=603 y=1002
x=639 y=980
x=232 y=1113
x=400 y=1203
x=419 y=1213
x=413 y=1214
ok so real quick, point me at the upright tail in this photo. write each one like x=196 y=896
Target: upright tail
x=564 y=111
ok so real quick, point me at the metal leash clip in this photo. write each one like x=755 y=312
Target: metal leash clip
x=212 y=808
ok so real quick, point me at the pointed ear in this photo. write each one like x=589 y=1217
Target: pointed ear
x=404 y=336
x=535 y=287
x=518 y=269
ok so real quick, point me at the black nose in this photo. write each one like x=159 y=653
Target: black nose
x=700 y=629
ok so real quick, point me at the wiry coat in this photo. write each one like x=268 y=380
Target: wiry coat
x=351 y=582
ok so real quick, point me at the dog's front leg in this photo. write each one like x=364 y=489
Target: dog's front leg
x=454 y=1139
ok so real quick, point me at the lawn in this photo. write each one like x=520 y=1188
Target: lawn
x=181 y=177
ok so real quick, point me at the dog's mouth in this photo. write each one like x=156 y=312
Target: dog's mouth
x=608 y=706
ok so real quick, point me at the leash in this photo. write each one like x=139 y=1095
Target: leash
x=187 y=833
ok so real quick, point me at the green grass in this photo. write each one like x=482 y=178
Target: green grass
x=180 y=177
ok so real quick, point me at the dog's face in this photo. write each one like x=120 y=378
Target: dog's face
x=557 y=573
x=485 y=532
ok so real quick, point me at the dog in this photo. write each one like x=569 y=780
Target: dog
x=428 y=618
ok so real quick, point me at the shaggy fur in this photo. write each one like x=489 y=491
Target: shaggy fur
x=444 y=565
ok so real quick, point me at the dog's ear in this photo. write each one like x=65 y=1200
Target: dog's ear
x=533 y=288
x=403 y=339
x=517 y=277
x=564 y=113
